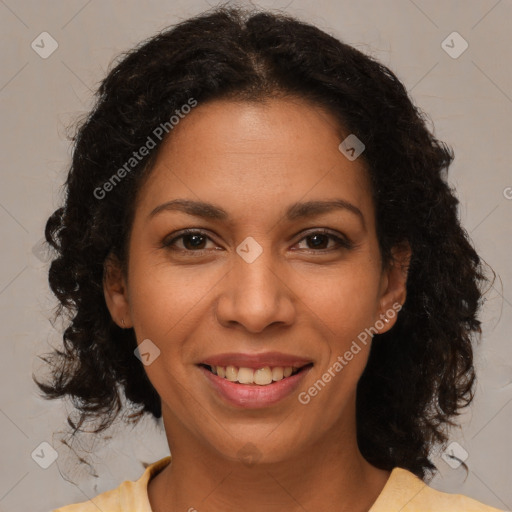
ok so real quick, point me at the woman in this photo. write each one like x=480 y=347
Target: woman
x=259 y=246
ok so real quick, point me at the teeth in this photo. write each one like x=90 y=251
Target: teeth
x=231 y=373
x=246 y=376
x=277 y=373
x=261 y=376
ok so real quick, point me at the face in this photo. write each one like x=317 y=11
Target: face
x=263 y=279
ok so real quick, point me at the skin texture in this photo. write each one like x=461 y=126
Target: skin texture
x=254 y=160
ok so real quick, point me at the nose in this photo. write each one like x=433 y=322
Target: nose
x=256 y=295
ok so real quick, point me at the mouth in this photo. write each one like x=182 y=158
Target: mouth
x=254 y=388
x=264 y=376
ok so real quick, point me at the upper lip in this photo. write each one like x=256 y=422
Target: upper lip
x=256 y=361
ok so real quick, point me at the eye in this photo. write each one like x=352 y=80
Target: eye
x=192 y=241
x=195 y=241
x=322 y=237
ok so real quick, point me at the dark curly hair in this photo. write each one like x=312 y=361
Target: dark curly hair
x=420 y=373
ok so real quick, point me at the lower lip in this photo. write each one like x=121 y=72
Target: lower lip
x=254 y=396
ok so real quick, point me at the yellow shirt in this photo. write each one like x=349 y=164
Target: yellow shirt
x=403 y=492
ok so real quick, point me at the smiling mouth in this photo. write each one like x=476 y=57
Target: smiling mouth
x=259 y=377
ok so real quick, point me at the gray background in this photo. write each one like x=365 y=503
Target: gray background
x=469 y=100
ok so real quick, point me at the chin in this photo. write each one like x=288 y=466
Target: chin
x=258 y=450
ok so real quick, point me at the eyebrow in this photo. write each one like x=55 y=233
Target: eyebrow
x=294 y=212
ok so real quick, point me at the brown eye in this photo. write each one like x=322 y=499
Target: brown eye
x=319 y=240
x=192 y=241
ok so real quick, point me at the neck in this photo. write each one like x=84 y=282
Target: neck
x=332 y=471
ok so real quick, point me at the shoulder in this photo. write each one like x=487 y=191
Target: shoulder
x=130 y=495
x=405 y=492
x=106 y=501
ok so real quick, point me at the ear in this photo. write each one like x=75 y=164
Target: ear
x=115 y=290
x=393 y=286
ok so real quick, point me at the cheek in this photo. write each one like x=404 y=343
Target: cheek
x=164 y=295
x=345 y=299
x=344 y=305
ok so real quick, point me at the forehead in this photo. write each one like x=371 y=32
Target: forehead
x=255 y=158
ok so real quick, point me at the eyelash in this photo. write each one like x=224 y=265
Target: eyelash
x=343 y=243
